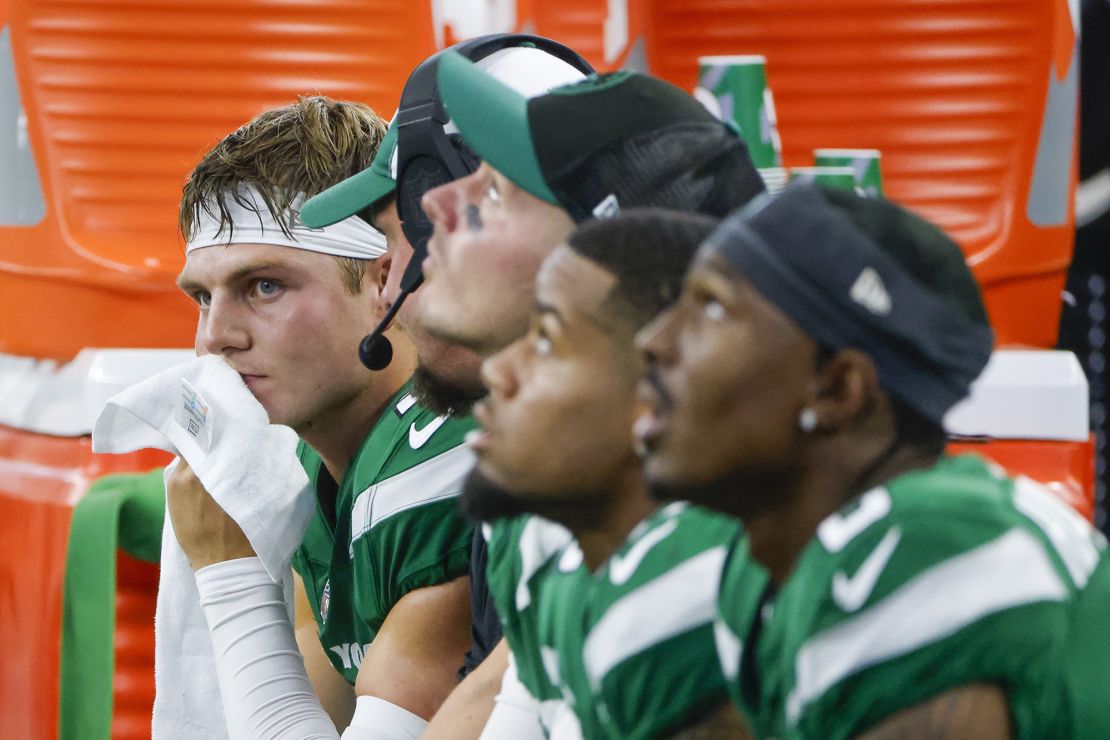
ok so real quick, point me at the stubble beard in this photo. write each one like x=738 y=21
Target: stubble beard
x=485 y=500
x=441 y=395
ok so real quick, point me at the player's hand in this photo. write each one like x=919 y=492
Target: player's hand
x=206 y=533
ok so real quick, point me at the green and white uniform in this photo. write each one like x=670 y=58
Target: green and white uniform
x=521 y=551
x=941 y=578
x=630 y=647
x=397 y=526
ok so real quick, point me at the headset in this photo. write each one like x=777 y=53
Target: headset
x=428 y=157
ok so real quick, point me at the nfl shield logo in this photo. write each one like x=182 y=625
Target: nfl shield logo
x=325 y=601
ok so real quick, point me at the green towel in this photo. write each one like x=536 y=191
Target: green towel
x=124 y=511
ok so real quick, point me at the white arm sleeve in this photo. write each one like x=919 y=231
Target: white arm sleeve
x=265 y=690
x=378 y=719
x=516 y=713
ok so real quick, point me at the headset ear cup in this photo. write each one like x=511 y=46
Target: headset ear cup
x=420 y=175
x=429 y=157
x=416 y=233
x=470 y=160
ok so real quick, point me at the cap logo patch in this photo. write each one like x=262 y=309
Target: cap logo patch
x=869 y=292
x=610 y=207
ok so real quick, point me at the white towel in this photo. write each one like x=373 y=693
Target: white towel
x=203 y=412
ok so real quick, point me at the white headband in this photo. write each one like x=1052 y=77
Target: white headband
x=351 y=237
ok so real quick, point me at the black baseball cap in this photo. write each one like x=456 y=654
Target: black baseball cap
x=608 y=142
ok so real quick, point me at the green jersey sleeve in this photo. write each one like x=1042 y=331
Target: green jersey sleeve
x=939 y=580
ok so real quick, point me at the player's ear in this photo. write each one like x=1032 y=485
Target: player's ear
x=373 y=281
x=380 y=276
x=846 y=389
x=385 y=264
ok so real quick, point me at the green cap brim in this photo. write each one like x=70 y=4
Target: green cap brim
x=493 y=121
x=346 y=198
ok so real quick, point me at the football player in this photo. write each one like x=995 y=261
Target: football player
x=583 y=151
x=486 y=251
x=383 y=592
x=615 y=613
x=800 y=384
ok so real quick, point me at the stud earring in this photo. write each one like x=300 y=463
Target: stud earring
x=807 y=420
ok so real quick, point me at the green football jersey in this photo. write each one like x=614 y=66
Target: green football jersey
x=941 y=578
x=630 y=647
x=397 y=526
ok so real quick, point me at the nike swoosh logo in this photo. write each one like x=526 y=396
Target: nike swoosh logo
x=851 y=593
x=417 y=437
x=621 y=567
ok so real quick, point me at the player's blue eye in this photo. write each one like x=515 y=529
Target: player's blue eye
x=267 y=288
x=203 y=298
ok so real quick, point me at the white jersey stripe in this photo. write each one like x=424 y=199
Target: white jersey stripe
x=730 y=649
x=1010 y=571
x=539 y=541
x=681 y=599
x=438 y=478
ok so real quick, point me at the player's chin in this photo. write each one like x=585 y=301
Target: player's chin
x=485 y=499
x=279 y=413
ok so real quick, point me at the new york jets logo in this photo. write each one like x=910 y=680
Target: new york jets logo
x=417 y=437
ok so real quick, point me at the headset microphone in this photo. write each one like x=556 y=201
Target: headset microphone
x=375 y=350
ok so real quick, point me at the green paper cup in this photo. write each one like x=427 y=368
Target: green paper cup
x=734 y=88
x=842 y=178
x=863 y=162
